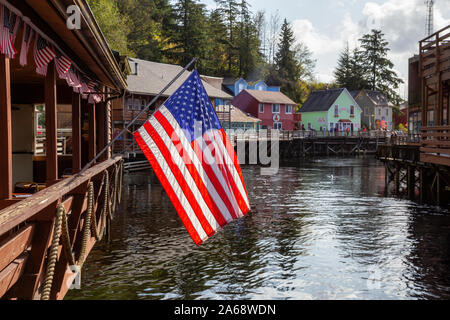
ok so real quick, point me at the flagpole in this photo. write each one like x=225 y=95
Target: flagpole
x=136 y=118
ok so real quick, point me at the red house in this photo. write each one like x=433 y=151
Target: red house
x=275 y=109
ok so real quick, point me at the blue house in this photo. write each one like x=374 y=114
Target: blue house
x=236 y=86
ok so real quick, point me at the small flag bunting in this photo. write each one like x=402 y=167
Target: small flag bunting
x=43 y=55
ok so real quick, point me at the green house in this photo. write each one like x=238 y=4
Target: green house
x=331 y=110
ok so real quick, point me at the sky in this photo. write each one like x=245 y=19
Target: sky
x=325 y=26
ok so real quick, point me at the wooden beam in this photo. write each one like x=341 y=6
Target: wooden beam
x=11 y=274
x=51 y=129
x=76 y=133
x=15 y=245
x=5 y=129
x=92 y=132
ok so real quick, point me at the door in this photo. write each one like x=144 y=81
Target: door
x=22 y=143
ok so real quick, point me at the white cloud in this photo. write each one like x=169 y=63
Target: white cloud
x=402 y=22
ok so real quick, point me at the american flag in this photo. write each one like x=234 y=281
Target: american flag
x=73 y=80
x=194 y=161
x=62 y=64
x=26 y=42
x=8 y=28
x=43 y=55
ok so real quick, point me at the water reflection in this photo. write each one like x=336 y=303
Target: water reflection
x=320 y=230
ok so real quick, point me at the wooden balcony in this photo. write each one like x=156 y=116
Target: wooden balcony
x=33 y=231
x=435 y=57
x=435 y=145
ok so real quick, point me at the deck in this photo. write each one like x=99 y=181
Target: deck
x=29 y=229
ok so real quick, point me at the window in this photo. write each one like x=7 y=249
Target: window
x=336 y=111
x=379 y=111
x=261 y=108
x=277 y=125
x=387 y=112
x=143 y=104
x=288 y=109
x=275 y=108
x=352 y=111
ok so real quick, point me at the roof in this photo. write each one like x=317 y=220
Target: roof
x=270 y=97
x=85 y=46
x=237 y=115
x=230 y=81
x=321 y=100
x=213 y=81
x=377 y=97
x=354 y=93
x=152 y=77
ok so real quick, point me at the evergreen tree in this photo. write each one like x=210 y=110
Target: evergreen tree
x=216 y=61
x=350 y=72
x=248 y=42
x=380 y=75
x=286 y=67
x=285 y=62
x=230 y=10
x=189 y=35
x=343 y=71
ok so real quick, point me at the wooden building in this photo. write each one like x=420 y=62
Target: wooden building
x=145 y=81
x=51 y=212
x=434 y=70
x=420 y=168
x=273 y=108
x=333 y=110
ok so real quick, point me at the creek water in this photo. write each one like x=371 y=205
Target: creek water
x=320 y=230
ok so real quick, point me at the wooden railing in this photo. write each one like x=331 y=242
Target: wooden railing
x=27 y=229
x=435 y=56
x=436 y=145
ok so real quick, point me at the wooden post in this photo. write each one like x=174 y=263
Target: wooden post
x=411 y=181
x=92 y=132
x=109 y=124
x=51 y=130
x=100 y=114
x=387 y=179
x=5 y=129
x=422 y=186
x=397 y=178
x=76 y=133
x=438 y=188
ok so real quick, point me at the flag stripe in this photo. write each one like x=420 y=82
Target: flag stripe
x=173 y=184
x=188 y=175
x=220 y=159
x=234 y=156
x=168 y=188
x=210 y=179
x=187 y=157
x=180 y=178
x=235 y=178
x=219 y=184
x=212 y=162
